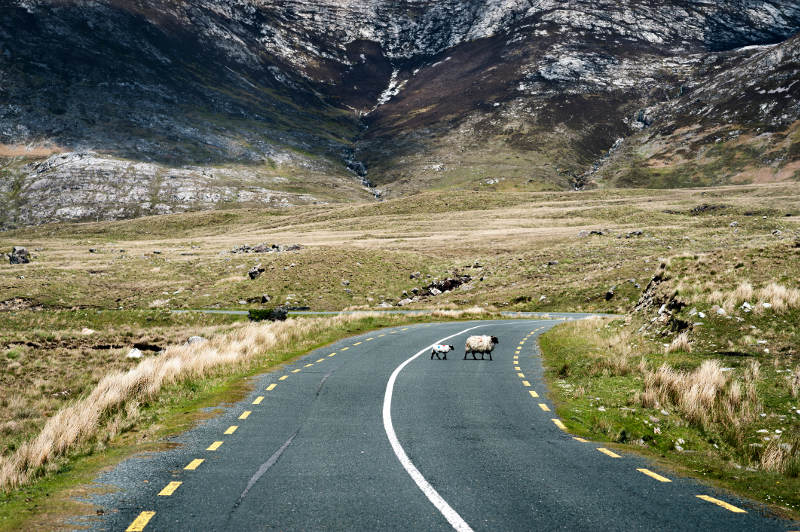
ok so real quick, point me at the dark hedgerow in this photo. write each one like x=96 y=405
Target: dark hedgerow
x=274 y=314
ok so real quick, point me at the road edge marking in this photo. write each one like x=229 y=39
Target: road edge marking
x=723 y=504
x=140 y=522
x=169 y=489
x=445 y=509
x=608 y=452
x=652 y=474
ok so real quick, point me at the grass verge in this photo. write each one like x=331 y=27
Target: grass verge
x=727 y=420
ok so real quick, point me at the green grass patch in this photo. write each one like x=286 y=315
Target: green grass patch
x=597 y=382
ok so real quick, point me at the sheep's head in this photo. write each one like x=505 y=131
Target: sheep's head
x=451 y=348
x=495 y=340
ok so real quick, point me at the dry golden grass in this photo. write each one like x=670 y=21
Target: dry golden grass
x=680 y=343
x=781 y=457
x=704 y=396
x=794 y=382
x=114 y=402
x=777 y=297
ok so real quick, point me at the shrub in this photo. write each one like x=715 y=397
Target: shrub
x=273 y=314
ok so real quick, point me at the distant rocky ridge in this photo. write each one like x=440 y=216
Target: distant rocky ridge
x=171 y=106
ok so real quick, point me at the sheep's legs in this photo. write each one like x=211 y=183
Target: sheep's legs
x=490 y=355
x=437 y=355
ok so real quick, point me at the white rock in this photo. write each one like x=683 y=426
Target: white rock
x=87 y=332
x=195 y=340
x=134 y=353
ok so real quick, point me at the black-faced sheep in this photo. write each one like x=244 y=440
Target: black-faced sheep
x=441 y=350
x=480 y=344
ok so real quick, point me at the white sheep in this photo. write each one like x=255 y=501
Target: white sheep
x=480 y=344
x=441 y=350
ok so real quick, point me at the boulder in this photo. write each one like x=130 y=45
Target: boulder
x=19 y=255
x=261 y=248
x=256 y=271
x=404 y=302
x=195 y=340
x=134 y=353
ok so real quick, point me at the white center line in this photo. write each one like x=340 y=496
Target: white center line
x=446 y=510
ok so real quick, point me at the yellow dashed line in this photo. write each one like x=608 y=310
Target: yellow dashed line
x=544 y=407
x=140 y=522
x=296 y=370
x=345 y=348
x=214 y=446
x=404 y=329
x=358 y=343
x=381 y=335
x=393 y=332
x=194 y=464
x=526 y=384
x=533 y=393
x=607 y=452
x=580 y=439
x=724 y=504
x=320 y=360
x=231 y=429
x=369 y=339
x=283 y=378
x=558 y=423
x=332 y=355
x=271 y=387
x=258 y=400
x=169 y=489
x=653 y=475
x=521 y=375
x=245 y=414
x=517 y=368
x=308 y=365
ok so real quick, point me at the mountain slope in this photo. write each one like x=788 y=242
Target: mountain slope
x=159 y=106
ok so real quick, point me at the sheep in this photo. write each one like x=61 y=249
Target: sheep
x=480 y=344
x=443 y=350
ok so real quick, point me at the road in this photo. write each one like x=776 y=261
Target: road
x=363 y=436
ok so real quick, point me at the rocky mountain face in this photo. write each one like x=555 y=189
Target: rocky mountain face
x=115 y=109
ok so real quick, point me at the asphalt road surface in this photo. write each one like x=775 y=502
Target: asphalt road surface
x=363 y=436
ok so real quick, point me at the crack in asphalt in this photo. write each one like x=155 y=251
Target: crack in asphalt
x=274 y=458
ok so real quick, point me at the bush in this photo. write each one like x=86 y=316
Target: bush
x=275 y=314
